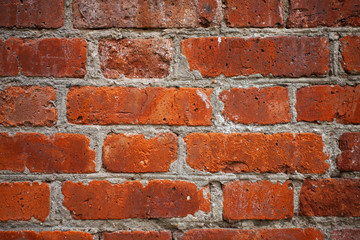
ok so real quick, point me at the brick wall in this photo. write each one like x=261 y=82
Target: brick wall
x=192 y=119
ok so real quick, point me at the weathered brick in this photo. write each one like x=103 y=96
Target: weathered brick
x=260 y=200
x=146 y=14
x=328 y=103
x=135 y=154
x=256 y=152
x=60 y=153
x=349 y=144
x=277 y=56
x=135 y=58
x=56 y=235
x=24 y=200
x=346 y=234
x=32 y=14
x=350 y=51
x=330 y=13
x=28 y=105
x=258 y=234
x=122 y=105
x=43 y=57
x=257 y=106
x=138 y=235
x=158 y=199
x=250 y=13
x=330 y=197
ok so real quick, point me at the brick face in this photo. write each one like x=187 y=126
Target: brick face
x=345 y=234
x=261 y=200
x=256 y=152
x=349 y=144
x=138 y=235
x=257 y=106
x=350 y=51
x=24 y=200
x=135 y=153
x=276 y=56
x=122 y=105
x=32 y=14
x=56 y=235
x=158 y=199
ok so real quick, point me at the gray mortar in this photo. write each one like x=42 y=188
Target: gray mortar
x=180 y=76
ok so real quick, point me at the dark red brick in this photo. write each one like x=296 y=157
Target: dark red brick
x=346 y=234
x=56 y=235
x=350 y=50
x=256 y=152
x=135 y=58
x=32 y=14
x=28 y=105
x=257 y=106
x=330 y=197
x=158 y=199
x=254 y=13
x=260 y=200
x=138 y=235
x=60 y=153
x=329 y=13
x=349 y=144
x=24 y=200
x=276 y=56
x=329 y=103
x=135 y=154
x=146 y=14
x=123 y=105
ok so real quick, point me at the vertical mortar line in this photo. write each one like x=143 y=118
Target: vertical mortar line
x=292 y=100
x=216 y=201
x=223 y=25
x=217 y=106
x=285 y=11
x=61 y=97
x=99 y=142
x=55 y=204
x=93 y=70
x=297 y=184
x=68 y=15
x=181 y=159
x=335 y=66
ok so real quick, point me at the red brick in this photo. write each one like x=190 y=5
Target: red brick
x=257 y=106
x=43 y=57
x=327 y=103
x=258 y=234
x=135 y=58
x=330 y=197
x=146 y=14
x=24 y=200
x=28 y=105
x=349 y=144
x=256 y=152
x=330 y=13
x=122 y=105
x=277 y=56
x=250 y=13
x=56 y=235
x=350 y=53
x=159 y=199
x=32 y=14
x=138 y=235
x=346 y=234
x=259 y=200
x=60 y=153
x=135 y=154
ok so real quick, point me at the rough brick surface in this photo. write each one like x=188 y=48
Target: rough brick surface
x=135 y=58
x=256 y=152
x=257 y=106
x=158 y=199
x=349 y=144
x=260 y=200
x=260 y=234
x=276 y=56
x=32 y=14
x=330 y=13
x=122 y=105
x=138 y=235
x=28 y=105
x=135 y=154
x=250 y=13
x=43 y=57
x=350 y=49
x=60 y=153
x=146 y=14
x=330 y=197
x=24 y=200
x=327 y=103
x=346 y=234
x=56 y=235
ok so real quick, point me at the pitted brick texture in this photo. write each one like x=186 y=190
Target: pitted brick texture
x=351 y=54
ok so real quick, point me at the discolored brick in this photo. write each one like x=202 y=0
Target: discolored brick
x=345 y=234
x=349 y=144
x=56 y=235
